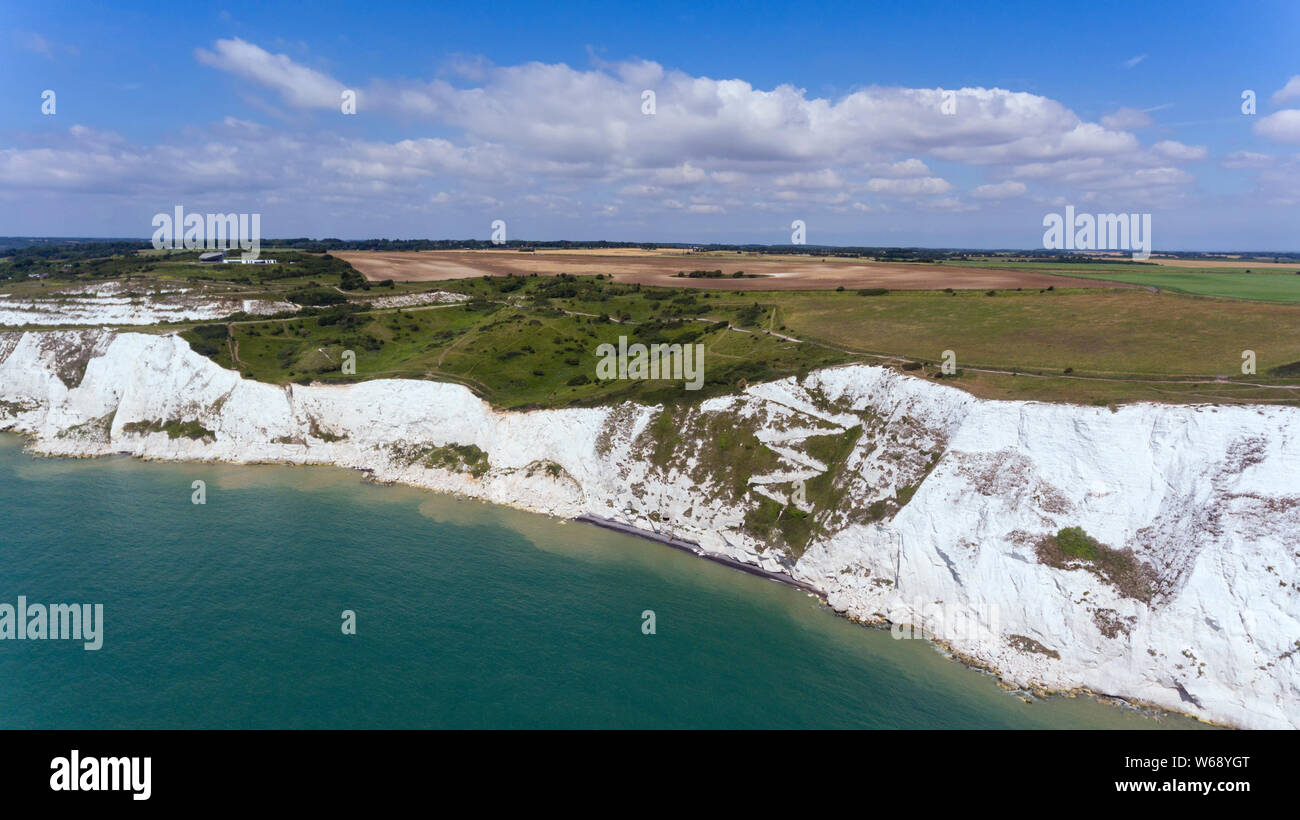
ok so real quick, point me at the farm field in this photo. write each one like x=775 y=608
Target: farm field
x=1281 y=284
x=1113 y=332
x=650 y=268
x=1228 y=263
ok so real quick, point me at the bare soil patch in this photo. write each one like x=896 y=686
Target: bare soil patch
x=652 y=268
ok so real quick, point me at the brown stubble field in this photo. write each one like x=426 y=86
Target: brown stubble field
x=657 y=268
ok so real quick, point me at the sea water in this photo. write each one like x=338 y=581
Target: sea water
x=232 y=614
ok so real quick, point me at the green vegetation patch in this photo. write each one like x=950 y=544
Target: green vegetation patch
x=207 y=340
x=460 y=458
x=98 y=260
x=1072 y=548
x=717 y=448
x=715 y=274
x=95 y=429
x=520 y=342
x=904 y=494
x=552 y=469
x=13 y=408
x=174 y=428
x=1289 y=370
x=794 y=529
x=1275 y=285
x=316 y=431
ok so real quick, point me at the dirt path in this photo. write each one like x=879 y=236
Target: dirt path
x=233 y=344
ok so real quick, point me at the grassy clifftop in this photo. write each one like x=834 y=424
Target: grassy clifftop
x=530 y=341
x=519 y=342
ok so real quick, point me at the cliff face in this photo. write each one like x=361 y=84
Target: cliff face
x=128 y=304
x=908 y=501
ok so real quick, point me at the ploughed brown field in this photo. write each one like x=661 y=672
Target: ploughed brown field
x=655 y=268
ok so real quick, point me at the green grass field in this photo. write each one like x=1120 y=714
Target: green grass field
x=515 y=357
x=1271 y=286
x=1108 y=333
x=521 y=344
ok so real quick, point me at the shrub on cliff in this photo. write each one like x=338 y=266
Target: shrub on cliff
x=1072 y=548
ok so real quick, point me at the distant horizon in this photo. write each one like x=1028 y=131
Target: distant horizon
x=679 y=244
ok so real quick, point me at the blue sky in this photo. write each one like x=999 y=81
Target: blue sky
x=766 y=113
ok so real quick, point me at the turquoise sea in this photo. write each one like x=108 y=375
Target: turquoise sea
x=228 y=615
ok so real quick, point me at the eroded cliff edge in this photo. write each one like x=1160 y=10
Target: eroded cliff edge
x=1148 y=553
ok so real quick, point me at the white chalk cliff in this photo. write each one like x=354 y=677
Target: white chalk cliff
x=116 y=303
x=925 y=505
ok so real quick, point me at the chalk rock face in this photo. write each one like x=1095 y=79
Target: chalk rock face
x=115 y=303
x=1148 y=553
x=437 y=297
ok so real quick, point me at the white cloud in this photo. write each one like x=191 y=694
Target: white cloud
x=1171 y=149
x=414 y=158
x=1283 y=126
x=1146 y=178
x=727 y=177
x=1288 y=92
x=948 y=203
x=1000 y=190
x=37 y=44
x=1280 y=186
x=808 y=197
x=571 y=114
x=1247 y=159
x=684 y=174
x=825 y=178
x=916 y=186
x=550 y=138
x=641 y=190
x=300 y=86
x=1123 y=119
x=1132 y=62
x=903 y=168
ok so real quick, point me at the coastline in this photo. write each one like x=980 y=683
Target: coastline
x=1154 y=711
x=1025 y=693
x=696 y=549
